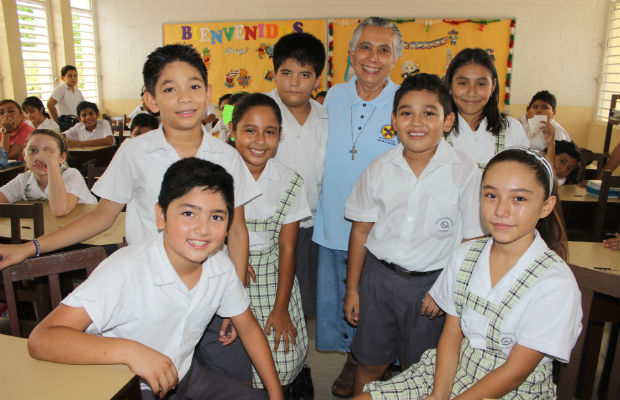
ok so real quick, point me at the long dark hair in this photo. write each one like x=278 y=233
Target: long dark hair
x=551 y=228
x=496 y=120
x=35 y=102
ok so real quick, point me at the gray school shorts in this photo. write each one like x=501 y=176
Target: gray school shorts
x=307 y=257
x=390 y=323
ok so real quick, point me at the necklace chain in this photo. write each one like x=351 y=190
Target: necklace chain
x=353 y=151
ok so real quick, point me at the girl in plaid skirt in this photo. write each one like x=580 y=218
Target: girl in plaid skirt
x=273 y=222
x=512 y=304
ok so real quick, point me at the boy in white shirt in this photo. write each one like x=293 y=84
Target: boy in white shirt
x=148 y=304
x=66 y=96
x=410 y=208
x=90 y=131
x=543 y=103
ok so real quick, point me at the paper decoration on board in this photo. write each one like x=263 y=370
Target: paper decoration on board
x=244 y=79
x=264 y=51
x=269 y=75
x=206 y=57
x=409 y=68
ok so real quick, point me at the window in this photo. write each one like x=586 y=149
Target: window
x=34 y=35
x=610 y=75
x=85 y=48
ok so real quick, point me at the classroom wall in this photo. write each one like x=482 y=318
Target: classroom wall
x=557 y=43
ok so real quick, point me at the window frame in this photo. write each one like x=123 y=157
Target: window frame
x=610 y=68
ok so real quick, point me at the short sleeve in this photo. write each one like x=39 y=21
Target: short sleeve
x=75 y=184
x=118 y=181
x=73 y=133
x=106 y=129
x=470 y=200
x=235 y=299
x=516 y=134
x=14 y=190
x=58 y=93
x=361 y=205
x=552 y=322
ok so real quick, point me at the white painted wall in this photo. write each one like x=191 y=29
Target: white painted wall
x=557 y=44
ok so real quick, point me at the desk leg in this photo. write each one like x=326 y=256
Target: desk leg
x=569 y=375
x=613 y=390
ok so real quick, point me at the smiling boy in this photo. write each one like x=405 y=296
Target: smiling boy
x=147 y=305
x=90 y=131
x=410 y=208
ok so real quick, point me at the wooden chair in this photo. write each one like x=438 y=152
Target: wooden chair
x=93 y=173
x=49 y=266
x=587 y=158
x=601 y=206
x=17 y=212
x=611 y=121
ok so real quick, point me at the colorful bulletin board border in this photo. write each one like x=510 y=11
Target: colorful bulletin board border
x=238 y=55
x=429 y=46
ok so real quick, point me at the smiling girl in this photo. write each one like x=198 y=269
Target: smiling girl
x=47 y=177
x=480 y=129
x=273 y=222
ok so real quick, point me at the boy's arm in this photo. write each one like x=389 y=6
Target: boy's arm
x=279 y=317
x=51 y=107
x=357 y=253
x=85 y=227
x=239 y=244
x=106 y=141
x=447 y=360
x=256 y=346
x=507 y=377
x=60 y=337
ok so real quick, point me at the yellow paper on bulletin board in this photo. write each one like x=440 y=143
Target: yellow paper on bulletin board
x=429 y=45
x=238 y=55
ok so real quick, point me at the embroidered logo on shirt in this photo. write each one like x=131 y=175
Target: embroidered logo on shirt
x=387 y=135
x=506 y=341
x=444 y=224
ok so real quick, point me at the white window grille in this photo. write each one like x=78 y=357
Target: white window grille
x=85 y=48
x=35 y=45
x=610 y=75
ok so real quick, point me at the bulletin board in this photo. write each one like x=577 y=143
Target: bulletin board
x=238 y=55
x=429 y=46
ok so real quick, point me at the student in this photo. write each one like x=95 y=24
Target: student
x=221 y=128
x=480 y=130
x=410 y=208
x=90 y=131
x=186 y=279
x=66 y=96
x=35 y=113
x=14 y=128
x=143 y=123
x=273 y=223
x=47 y=177
x=543 y=103
x=498 y=292
x=223 y=100
x=141 y=109
x=566 y=162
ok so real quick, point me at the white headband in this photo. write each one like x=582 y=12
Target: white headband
x=541 y=158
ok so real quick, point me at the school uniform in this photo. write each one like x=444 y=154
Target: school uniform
x=67 y=99
x=537 y=139
x=79 y=131
x=135 y=173
x=25 y=187
x=418 y=221
x=495 y=318
x=138 y=110
x=482 y=145
x=49 y=124
x=283 y=202
x=302 y=147
x=359 y=132
x=220 y=131
x=136 y=294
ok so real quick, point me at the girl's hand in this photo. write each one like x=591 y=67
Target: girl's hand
x=155 y=368
x=352 y=307
x=250 y=277
x=613 y=243
x=45 y=158
x=430 y=308
x=281 y=323
x=228 y=334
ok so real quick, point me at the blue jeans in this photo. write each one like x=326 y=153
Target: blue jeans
x=333 y=332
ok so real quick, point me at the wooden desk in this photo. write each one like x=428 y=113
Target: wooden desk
x=574 y=193
x=101 y=154
x=590 y=256
x=23 y=377
x=579 y=209
x=7 y=174
x=113 y=235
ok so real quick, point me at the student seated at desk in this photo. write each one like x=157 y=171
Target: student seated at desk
x=47 y=177
x=543 y=103
x=566 y=162
x=36 y=114
x=148 y=305
x=14 y=128
x=90 y=131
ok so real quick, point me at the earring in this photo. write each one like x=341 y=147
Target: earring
x=232 y=138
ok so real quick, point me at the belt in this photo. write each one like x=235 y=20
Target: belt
x=403 y=271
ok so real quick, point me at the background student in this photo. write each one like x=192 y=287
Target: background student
x=90 y=131
x=543 y=103
x=47 y=176
x=35 y=113
x=14 y=128
x=147 y=305
x=499 y=338
x=480 y=130
x=143 y=123
x=65 y=97
x=273 y=222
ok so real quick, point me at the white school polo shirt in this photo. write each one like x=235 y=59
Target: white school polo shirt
x=480 y=145
x=537 y=140
x=546 y=319
x=418 y=221
x=67 y=99
x=79 y=131
x=135 y=173
x=73 y=180
x=302 y=148
x=273 y=182
x=49 y=124
x=136 y=294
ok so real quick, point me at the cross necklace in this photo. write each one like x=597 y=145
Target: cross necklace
x=353 y=150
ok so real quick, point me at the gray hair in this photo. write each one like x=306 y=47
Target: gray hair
x=381 y=23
